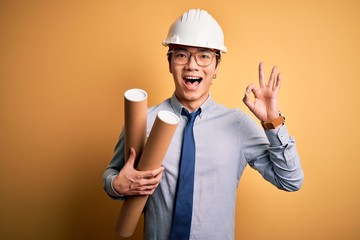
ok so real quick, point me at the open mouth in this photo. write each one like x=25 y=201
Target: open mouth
x=192 y=80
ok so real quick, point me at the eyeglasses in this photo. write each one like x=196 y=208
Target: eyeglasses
x=202 y=58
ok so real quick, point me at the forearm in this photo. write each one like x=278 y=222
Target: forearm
x=285 y=172
x=113 y=168
x=108 y=179
x=274 y=156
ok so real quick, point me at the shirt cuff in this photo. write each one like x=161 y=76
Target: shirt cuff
x=278 y=137
x=110 y=189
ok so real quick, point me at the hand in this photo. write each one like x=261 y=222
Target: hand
x=129 y=181
x=265 y=103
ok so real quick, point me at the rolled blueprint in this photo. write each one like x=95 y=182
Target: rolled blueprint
x=154 y=152
x=135 y=101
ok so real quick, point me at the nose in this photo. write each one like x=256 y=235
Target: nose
x=192 y=64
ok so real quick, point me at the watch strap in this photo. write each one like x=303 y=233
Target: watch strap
x=274 y=123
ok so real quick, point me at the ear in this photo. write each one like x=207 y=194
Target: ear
x=217 y=67
x=170 y=70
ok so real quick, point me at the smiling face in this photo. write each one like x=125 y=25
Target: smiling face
x=192 y=82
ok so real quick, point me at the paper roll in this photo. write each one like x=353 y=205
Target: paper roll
x=135 y=114
x=154 y=152
x=135 y=101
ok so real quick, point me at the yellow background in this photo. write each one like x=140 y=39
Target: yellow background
x=64 y=66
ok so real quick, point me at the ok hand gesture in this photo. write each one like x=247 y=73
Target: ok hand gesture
x=264 y=105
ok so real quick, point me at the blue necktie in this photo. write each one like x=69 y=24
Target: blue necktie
x=185 y=187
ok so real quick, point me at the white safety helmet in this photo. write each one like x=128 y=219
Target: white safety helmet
x=196 y=28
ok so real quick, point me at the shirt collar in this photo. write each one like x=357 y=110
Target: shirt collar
x=177 y=106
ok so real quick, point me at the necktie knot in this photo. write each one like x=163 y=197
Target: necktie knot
x=191 y=116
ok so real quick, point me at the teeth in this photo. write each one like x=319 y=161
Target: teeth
x=192 y=80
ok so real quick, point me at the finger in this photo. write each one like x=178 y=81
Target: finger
x=147 y=192
x=277 y=84
x=248 y=101
x=154 y=182
x=146 y=186
x=142 y=191
x=159 y=176
x=261 y=75
x=272 y=78
x=150 y=174
x=158 y=171
x=146 y=183
x=250 y=88
x=247 y=97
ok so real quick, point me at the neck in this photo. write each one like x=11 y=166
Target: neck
x=191 y=105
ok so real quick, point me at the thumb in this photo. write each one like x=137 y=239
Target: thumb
x=132 y=156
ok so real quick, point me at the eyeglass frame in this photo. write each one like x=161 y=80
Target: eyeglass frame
x=172 y=50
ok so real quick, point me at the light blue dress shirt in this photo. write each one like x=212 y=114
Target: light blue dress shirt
x=226 y=141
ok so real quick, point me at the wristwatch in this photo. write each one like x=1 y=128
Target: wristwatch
x=274 y=123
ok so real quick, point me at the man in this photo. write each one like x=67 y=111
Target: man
x=226 y=140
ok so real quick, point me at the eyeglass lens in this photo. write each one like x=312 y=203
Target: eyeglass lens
x=202 y=58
